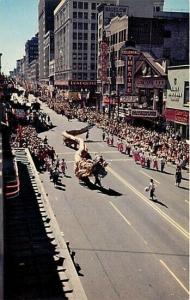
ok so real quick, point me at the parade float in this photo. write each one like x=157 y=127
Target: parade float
x=84 y=165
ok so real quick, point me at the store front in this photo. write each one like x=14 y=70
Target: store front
x=179 y=120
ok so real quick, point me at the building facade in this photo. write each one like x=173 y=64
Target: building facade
x=45 y=23
x=76 y=44
x=31 y=53
x=177 y=99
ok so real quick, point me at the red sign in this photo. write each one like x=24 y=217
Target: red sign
x=177 y=115
x=103 y=61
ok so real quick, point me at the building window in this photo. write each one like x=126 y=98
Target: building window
x=74 y=15
x=80 y=66
x=84 y=76
x=93 y=26
x=80 y=26
x=74 y=76
x=85 y=46
x=79 y=56
x=85 y=36
x=93 y=16
x=186 y=92
x=74 y=4
x=85 y=66
x=85 y=26
x=85 y=56
x=93 y=6
x=79 y=76
x=92 y=46
x=74 y=25
x=86 y=15
x=93 y=56
x=80 y=35
x=85 y=5
x=74 y=46
x=80 y=5
x=93 y=36
x=79 y=46
x=74 y=66
x=74 y=55
x=92 y=76
x=80 y=15
x=92 y=66
x=74 y=35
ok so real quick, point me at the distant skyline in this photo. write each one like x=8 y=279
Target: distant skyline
x=19 y=23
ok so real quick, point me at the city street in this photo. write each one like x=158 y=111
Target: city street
x=127 y=246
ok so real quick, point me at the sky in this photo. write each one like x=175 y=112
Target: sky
x=19 y=23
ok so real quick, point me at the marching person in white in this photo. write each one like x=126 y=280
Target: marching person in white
x=151 y=189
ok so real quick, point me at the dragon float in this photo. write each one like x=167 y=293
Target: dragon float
x=84 y=166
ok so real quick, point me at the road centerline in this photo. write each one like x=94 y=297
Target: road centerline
x=118 y=211
x=174 y=276
x=147 y=201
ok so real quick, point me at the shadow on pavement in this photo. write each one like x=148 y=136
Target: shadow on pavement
x=184 y=188
x=101 y=189
x=156 y=201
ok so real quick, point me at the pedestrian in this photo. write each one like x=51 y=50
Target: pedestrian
x=162 y=163
x=63 y=166
x=87 y=135
x=151 y=189
x=103 y=135
x=178 y=176
x=155 y=163
x=45 y=140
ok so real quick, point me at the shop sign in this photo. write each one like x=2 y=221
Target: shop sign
x=177 y=115
x=143 y=113
x=174 y=94
x=82 y=82
x=103 y=61
x=61 y=82
x=129 y=99
x=128 y=55
x=150 y=83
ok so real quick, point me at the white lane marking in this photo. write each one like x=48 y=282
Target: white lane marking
x=174 y=276
x=118 y=211
x=127 y=221
x=145 y=199
x=149 y=176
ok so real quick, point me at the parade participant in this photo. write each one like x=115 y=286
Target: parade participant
x=151 y=189
x=103 y=135
x=45 y=140
x=142 y=159
x=63 y=166
x=112 y=140
x=155 y=163
x=162 y=163
x=178 y=176
x=87 y=135
x=148 y=161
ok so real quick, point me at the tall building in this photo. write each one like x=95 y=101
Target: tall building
x=76 y=44
x=45 y=23
x=31 y=53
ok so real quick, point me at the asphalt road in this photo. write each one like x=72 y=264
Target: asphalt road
x=127 y=246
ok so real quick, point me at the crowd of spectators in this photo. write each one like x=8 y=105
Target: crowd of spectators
x=141 y=142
